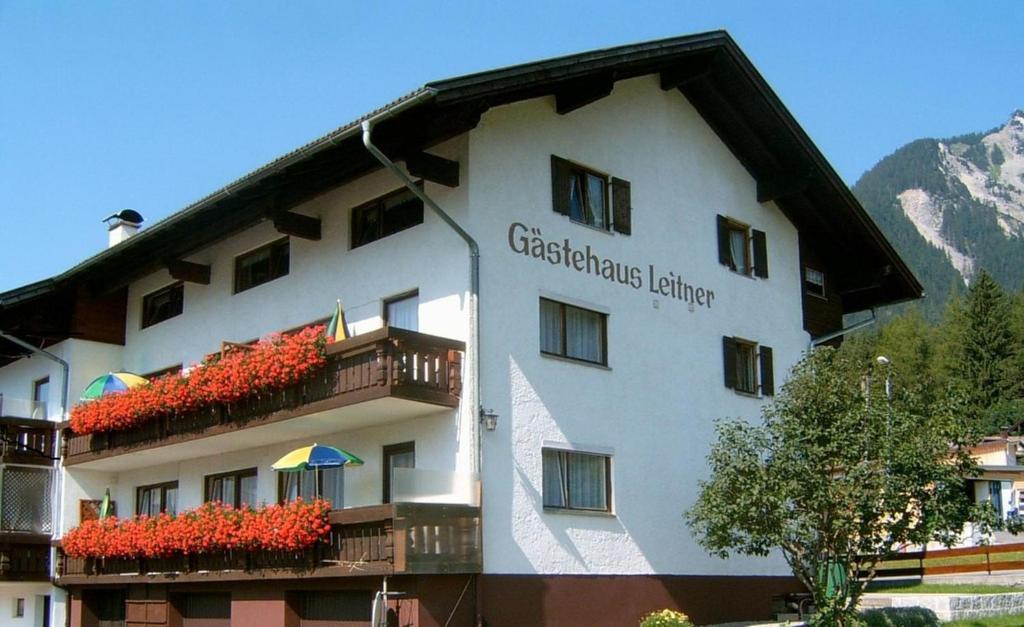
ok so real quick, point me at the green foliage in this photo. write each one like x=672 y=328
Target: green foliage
x=900 y=617
x=837 y=473
x=666 y=618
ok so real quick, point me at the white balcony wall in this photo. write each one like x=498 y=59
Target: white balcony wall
x=435 y=439
x=88 y=360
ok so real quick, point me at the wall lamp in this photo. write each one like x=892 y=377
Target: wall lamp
x=489 y=419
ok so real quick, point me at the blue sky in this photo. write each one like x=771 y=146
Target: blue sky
x=152 y=105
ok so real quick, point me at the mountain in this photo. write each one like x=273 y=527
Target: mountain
x=953 y=206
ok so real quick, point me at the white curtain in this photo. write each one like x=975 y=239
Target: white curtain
x=550 y=327
x=248 y=494
x=595 y=196
x=171 y=501
x=738 y=250
x=583 y=336
x=746 y=380
x=576 y=204
x=404 y=314
x=554 y=480
x=303 y=483
x=587 y=481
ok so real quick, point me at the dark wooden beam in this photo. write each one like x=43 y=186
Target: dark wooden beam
x=433 y=168
x=687 y=70
x=297 y=225
x=780 y=185
x=189 y=272
x=579 y=94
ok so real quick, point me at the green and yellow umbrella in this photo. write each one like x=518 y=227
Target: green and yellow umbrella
x=112 y=383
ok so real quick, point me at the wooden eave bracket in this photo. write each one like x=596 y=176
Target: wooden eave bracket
x=777 y=186
x=579 y=94
x=189 y=272
x=688 y=70
x=297 y=225
x=433 y=168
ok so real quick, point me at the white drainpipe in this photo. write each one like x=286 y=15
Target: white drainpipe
x=474 y=270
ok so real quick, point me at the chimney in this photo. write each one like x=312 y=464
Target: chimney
x=122 y=225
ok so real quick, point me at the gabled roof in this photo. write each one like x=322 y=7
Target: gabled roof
x=708 y=68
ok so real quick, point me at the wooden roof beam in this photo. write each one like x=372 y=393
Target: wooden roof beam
x=189 y=272
x=780 y=185
x=297 y=225
x=578 y=94
x=433 y=168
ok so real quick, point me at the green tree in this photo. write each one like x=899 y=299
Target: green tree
x=838 y=477
x=986 y=351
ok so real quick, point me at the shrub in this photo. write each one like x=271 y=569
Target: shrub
x=666 y=618
x=900 y=617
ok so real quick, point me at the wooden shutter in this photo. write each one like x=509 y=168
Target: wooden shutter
x=561 y=172
x=767 y=372
x=724 y=256
x=622 y=216
x=760 y=255
x=729 y=361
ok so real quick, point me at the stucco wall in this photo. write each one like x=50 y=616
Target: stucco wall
x=653 y=408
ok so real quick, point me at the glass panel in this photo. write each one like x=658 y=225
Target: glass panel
x=401 y=212
x=587 y=488
x=404 y=313
x=554 y=479
x=746 y=379
x=550 y=327
x=596 y=201
x=42 y=390
x=25 y=500
x=247 y=491
x=146 y=502
x=583 y=334
x=577 y=209
x=334 y=486
x=290 y=486
x=171 y=501
x=738 y=250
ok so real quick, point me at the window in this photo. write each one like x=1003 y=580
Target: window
x=574 y=480
x=327 y=483
x=743 y=249
x=19 y=607
x=234 y=488
x=403 y=311
x=40 y=394
x=163 y=304
x=385 y=216
x=396 y=456
x=814 y=282
x=261 y=265
x=583 y=195
x=748 y=366
x=572 y=332
x=155 y=499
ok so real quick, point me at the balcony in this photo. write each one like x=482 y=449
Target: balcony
x=27 y=441
x=394 y=539
x=24 y=557
x=383 y=376
x=22 y=408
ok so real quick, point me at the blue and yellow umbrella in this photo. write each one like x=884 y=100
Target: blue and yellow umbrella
x=111 y=383
x=316 y=456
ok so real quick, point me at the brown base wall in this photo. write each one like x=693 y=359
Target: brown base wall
x=598 y=600
x=428 y=601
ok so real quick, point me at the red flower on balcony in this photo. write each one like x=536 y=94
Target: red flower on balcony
x=272 y=364
x=210 y=528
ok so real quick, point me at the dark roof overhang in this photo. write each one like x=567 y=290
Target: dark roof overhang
x=708 y=68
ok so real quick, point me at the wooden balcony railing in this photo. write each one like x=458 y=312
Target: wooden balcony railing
x=394 y=539
x=27 y=442
x=24 y=557
x=384 y=363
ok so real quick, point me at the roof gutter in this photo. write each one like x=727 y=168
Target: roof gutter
x=474 y=259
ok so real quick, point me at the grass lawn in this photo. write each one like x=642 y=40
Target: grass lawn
x=1014 y=556
x=943 y=588
x=996 y=621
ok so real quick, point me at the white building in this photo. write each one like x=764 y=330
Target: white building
x=658 y=241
